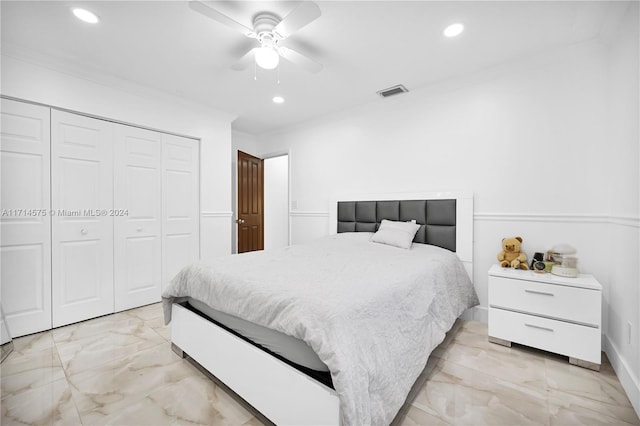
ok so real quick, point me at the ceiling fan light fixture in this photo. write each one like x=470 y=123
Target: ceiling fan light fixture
x=453 y=30
x=267 y=58
x=85 y=16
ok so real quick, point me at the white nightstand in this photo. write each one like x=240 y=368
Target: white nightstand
x=545 y=311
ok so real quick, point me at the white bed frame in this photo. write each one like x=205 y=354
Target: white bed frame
x=277 y=390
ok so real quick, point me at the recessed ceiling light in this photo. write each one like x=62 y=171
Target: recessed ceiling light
x=278 y=99
x=85 y=15
x=453 y=30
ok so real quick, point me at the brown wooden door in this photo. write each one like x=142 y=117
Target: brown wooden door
x=250 y=203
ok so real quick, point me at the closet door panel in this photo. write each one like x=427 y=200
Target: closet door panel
x=138 y=204
x=25 y=223
x=180 y=210
x=82 y=227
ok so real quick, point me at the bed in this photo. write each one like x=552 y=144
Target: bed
x=335 y=331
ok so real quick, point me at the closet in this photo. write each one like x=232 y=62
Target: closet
x=138 y=216
x=82 y=240
x=96 y=216
x=25 y=236
x=180 y=220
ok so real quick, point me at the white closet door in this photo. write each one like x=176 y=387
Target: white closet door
x=82 y=229
x=137 y=204
x=180 y=205
x=25 y=224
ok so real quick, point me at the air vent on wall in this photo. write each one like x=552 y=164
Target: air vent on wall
x=385 y=93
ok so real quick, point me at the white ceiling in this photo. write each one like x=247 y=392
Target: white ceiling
x=364 y=47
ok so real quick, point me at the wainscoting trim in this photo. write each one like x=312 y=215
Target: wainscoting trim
x=216 y=214
x=572 y=218
x=308 y=213
x=630 y=221
x=633 y=222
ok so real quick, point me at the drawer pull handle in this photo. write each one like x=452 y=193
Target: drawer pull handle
x=538 y=327
x=539 y=292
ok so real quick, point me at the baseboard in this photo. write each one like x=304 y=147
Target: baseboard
x=629 y=381
x=477 y=313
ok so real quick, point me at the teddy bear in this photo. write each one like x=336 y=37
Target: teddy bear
x=511 y=256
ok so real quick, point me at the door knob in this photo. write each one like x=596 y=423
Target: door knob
x=84 y=231
x=240 y=221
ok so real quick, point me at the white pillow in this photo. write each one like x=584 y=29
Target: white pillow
x=397 y=234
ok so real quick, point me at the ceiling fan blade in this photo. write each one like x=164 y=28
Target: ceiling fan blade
x=207 y=9
x=298 y=18
x=246 y=60
x=300 y=59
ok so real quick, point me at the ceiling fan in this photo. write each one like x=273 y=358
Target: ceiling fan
x=269 y=30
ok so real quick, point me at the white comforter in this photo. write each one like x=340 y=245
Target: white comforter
x=373 y=313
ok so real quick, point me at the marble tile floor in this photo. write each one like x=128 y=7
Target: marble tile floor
x=119 y=370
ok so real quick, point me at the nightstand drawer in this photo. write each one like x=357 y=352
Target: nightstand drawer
x=573 y=304
x=572 y=340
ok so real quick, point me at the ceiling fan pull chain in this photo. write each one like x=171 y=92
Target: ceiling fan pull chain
x=255 y=77
x=278 y=73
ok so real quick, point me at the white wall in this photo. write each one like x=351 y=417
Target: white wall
x=246 y=143
x=525 y=138
x=276 y=202
x=623 y=140
x=119 y=100
x=531 y=139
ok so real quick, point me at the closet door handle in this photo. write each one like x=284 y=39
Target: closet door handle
x=538 y=292
x=139 y=229
x=84 y=231
x=538 y=327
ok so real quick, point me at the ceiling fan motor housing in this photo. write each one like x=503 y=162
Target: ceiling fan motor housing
x=263 y=25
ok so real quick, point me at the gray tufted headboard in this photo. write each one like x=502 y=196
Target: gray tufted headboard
x=437 y=217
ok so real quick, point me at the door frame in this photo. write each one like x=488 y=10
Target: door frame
x=234 y=225
x=276 y=155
